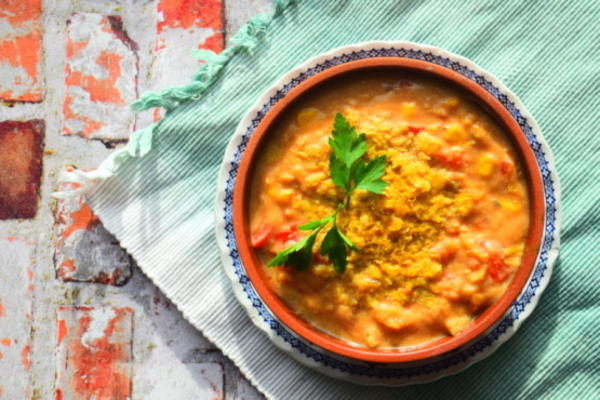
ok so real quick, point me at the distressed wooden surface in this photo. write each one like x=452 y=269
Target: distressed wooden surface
x=100 y=77
x=93 y=347
x=21 y=50
x=78 y=318
x=84 y=250
x=180 y=26
x=16 y=295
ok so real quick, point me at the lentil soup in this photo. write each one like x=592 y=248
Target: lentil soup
x=436 y=249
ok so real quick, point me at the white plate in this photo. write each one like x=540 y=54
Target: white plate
x=375 y=373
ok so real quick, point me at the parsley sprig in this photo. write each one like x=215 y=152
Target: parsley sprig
x=350 y=172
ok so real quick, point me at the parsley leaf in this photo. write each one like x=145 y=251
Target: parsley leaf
x=367 y=175
x=316 y=224
x=299 y=255
x=334 y=247
x=348 y=242
x=350 y=172
x=340 y=174
x=347 y=147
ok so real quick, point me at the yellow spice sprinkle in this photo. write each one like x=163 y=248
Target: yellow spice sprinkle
x=398 y=227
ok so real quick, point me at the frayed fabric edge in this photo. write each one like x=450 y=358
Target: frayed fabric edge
x=140 y=142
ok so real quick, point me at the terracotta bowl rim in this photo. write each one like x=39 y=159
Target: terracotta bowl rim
x=484 y=322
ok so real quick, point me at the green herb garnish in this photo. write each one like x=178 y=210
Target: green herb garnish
x=350 y=172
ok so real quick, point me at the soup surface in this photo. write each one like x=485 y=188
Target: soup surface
x=438 y=247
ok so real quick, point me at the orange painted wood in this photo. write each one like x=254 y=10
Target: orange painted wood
x=85 y=251
x=21 y=51
x=94 y=353
x=100 y=78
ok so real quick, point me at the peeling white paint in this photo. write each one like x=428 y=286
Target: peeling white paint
x=98 y=39
x=92 y=254
x=99 y=320
x=10 y=32
x=15 y=79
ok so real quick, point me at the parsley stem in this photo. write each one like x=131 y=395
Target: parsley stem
x=346 y=202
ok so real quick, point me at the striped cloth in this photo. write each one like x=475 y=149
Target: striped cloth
x=160 y=206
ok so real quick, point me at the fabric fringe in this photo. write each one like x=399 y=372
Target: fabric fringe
x=246 y=39
x=140 y=142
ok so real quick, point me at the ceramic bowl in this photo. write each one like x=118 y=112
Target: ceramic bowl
x=233 y=232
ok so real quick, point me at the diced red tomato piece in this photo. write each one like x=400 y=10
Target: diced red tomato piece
x=260 y=236
x=286 y=236
x=414 y=129
x=506 y=167
x=452 y=158
x=497 y=269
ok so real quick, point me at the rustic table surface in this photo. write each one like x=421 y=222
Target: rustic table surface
x=78 y=319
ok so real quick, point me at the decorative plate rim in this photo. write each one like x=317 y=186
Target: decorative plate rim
x=374 y=373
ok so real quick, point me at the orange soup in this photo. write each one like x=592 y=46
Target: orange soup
x=437 y=247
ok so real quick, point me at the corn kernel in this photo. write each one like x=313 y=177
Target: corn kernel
x=485 y=165
x=510 y=204
x=283 y=195
x=344 y=312
x=515 y=250
x=305 y=116
x=368 y=279
x=427 y=143
x=477 y=132
x=312 y=180
x=372 y=336
x=399 y=129
x=286 y=177
x=457 y=324
x=408 y=110
x=455 y=133
x=477 y=276
x=513 y=261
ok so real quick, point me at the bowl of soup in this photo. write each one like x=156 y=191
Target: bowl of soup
x=433 y=256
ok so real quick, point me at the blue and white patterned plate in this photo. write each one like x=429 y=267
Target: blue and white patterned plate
x=375 y=373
